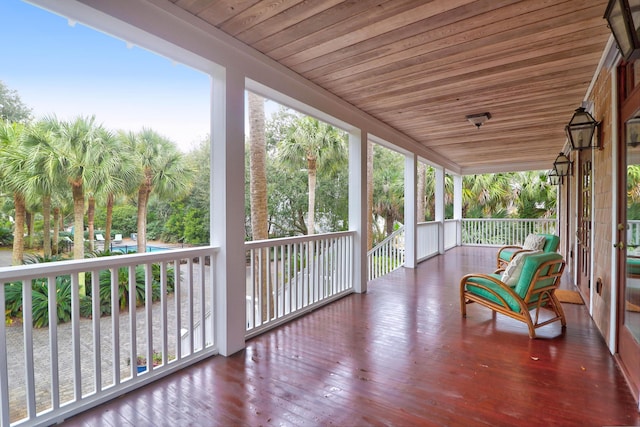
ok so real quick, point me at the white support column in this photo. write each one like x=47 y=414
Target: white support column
x=410 y=210
x=227 y=210
x=439 y=208
x=457 y=207
x=358 y=206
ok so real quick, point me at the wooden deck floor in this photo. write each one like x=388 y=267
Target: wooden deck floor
x=399 y=355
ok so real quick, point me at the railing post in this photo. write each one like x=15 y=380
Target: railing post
x=227 y=199
x=457 y=207
x=358 y=206
x=410 y=209
x=439 y=207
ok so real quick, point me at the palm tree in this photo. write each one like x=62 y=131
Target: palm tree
x=160 y=169
x=118 y=177
x=82 y=161
x=312 y=144
x=42 y=182
x=421 y=200
x=258 y=193
x=13 y=167
x=491 y=193
x=388 y=183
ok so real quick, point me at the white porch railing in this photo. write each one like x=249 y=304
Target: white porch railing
x=386 y=256
x=52 y=372
x=499 y=232
x=451 y=230
x=633 y=233
x=291 y=276
x=427 y=243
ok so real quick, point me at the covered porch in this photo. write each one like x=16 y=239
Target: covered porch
x=394 y=350
x=401 y=354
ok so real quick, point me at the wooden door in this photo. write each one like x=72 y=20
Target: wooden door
x=583 y=233
x=628 y=244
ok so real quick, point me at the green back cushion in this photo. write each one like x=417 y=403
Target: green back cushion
x=552 y=243
x=531 y=264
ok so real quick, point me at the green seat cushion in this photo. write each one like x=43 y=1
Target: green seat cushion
x=511 y=302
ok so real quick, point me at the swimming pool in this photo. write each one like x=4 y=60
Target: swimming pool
x=130 y=249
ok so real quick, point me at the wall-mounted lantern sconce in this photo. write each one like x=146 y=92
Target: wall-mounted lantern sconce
x=478 y=119
x=580 y=130
x=554 y=178
x=562 y=165
x=632 y=131
x=623 y=23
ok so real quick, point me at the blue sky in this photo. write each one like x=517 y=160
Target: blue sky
x=70 y=71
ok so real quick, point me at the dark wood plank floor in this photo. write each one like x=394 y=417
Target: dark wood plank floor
x=399 y=355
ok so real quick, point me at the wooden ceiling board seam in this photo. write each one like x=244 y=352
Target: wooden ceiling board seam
x=422 y=89
x=328 y=18
x=295 y=52
x=512 y=58
x=391 y=41
x=254 y=15
x=222 y=10
x=283 y=21
x=438 y=112
x=437 y=97
x=386 y=71
x=411 y=39
x=453 y=54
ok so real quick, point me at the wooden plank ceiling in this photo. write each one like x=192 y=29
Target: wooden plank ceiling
x=423 y=66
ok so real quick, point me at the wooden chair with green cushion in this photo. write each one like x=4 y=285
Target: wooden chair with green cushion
x=633 y=266
x=506 y=253
x=533 y=288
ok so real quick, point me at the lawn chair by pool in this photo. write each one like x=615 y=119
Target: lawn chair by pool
x=118 y=238
x=99 y=238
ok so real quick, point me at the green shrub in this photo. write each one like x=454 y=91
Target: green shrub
x=6 y=237
x=40 y=300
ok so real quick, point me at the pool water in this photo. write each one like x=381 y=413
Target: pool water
x=127 y=249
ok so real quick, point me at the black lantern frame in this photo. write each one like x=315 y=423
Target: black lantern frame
x=554 y=178
x=623 y=18
x=562 y=165
x=581 y=130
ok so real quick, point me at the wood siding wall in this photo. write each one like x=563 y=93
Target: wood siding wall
x=602 y=209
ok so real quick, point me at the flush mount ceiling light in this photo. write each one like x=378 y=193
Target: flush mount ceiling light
x=478 y=119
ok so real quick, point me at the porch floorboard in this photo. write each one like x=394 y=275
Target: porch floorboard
x=401 y=354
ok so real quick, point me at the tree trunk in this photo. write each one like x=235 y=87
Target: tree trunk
x=46 y=225
x=143 y=200
x=388 y=224
x=312 y=171
x=56 y=230
x=258 y=197
x=91 y=213
x=18 y=231
x=78 y=221
x=420 y=192
x=28 y=217
x=107 y=227
x=369 y=195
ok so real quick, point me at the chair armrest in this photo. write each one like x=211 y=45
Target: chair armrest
x=503 y=288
